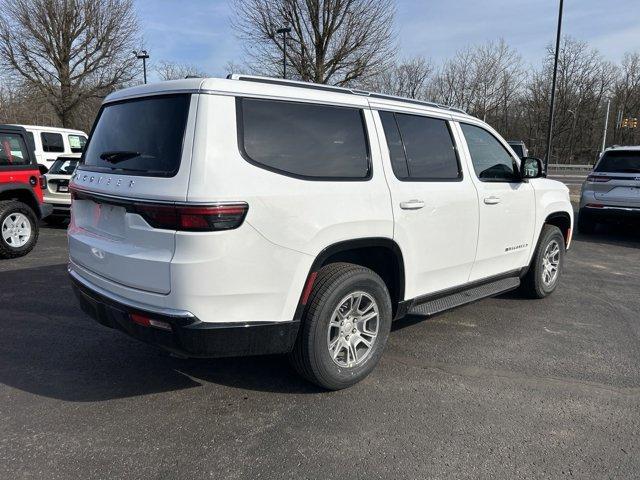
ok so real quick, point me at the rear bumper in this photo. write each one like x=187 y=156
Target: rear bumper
x=608 y=212
x=186 y=336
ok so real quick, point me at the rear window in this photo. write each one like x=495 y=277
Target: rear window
x=52 y=142
x=139 y=137
x=304 y=140
x=77 y=143
x=13 y=151
x=64 y=166
x=620 y=162
x=426 y=145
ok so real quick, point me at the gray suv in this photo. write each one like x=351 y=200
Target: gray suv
x=612 y=190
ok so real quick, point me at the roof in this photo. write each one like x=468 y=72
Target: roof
x=286 y=89
x=51 y=129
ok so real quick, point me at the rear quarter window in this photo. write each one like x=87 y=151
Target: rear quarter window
x=311 y=141
x=139 y=137
x=13 y=150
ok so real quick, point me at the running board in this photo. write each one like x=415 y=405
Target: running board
x=447 y=302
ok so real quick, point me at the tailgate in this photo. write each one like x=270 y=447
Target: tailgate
x=139 y=151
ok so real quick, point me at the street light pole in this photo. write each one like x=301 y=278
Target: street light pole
x=553 y=87
x=606 y=124
x=142 y=54
x=283 y=31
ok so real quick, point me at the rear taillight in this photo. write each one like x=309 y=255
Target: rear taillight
x=193 y=218
x=597 y=178
x=43 y=182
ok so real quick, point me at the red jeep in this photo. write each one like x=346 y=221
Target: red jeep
x=21 y=205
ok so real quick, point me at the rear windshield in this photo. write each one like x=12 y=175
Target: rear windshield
x=620 y=162
x=139 y=137
x=64 y=166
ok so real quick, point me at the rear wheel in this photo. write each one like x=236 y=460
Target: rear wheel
x=548 y=260
x=18 y=229
x=586 y=224
x=344 y=328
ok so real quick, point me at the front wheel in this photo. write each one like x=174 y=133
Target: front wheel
x=18 y=229
x=546 y=266
x=344 y=328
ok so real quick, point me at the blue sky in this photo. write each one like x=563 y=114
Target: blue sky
x=199 y=31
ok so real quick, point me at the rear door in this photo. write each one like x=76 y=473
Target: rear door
x=139 y=152
x=507 y=204
x=434 y=202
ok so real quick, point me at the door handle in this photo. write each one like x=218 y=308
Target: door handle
x=492 y=200
x=412 y=205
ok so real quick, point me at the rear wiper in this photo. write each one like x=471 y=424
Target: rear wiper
x=118 y=155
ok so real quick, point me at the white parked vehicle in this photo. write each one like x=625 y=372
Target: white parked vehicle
x=57 y=192
x=247 y=215
x=52 y=142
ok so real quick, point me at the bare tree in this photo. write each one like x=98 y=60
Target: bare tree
x=331 y=41
x=175 y=71
x=69 y=51
x=410 y=78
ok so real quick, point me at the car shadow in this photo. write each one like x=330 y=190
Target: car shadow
x=51 y=348
x=627 y=235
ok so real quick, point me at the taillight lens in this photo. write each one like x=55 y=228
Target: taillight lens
x=193 y=218
x=43 y=182
x=597 y=178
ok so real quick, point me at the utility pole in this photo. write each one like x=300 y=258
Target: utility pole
x=284 y=31
x=553 y=88
x=606 y=124
x=143 y=55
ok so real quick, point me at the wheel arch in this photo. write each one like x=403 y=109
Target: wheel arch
x=22 y=193
x=562 y=220
x=382 y=255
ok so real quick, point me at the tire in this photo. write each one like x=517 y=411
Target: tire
x=586 y=225
x=311 y=356
x=534 y=283
x=21 y=212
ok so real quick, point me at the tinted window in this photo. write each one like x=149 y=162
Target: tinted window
x=140 y=136
x=52 y=142
x=315 y=141
x=13 y=150
x=429 y=147
x=518 y=149
x=77 y=143
x=491 y=161
x=64 y=166
x=620 y=162
x=394 y=142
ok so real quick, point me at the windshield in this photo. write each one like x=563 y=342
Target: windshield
x=77 y=143
x=64 y=166
x=139 y=137
x=620 y=161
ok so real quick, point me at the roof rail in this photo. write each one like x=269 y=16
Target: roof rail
x=331 y=88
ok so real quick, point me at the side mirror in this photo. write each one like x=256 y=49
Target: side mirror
x=43 y=169
x=531 y=167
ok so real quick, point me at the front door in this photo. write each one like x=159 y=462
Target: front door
x=434 y=201
x=507 y=205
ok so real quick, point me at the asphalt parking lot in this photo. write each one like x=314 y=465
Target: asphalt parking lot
x=504 y=388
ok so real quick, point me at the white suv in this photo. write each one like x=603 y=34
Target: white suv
x=243 y=216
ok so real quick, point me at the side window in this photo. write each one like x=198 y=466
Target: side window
x=424 y=144
x=491 y=161
x=13 y=150
x=52 y=142
x=304 y=140
x=77 y=143
x=394 y=142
